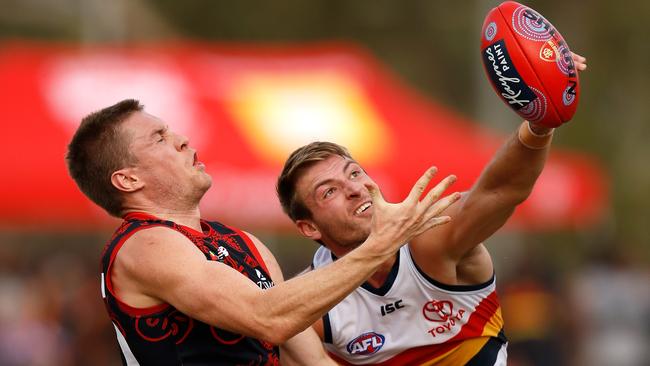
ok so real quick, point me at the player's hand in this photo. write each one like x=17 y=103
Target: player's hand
x=394 y=224
x=579 y=62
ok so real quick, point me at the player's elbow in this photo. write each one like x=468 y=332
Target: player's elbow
x=504 y=198
x=272 y=329
x=513 y=196
x=518 y=195
x=279 y=337
x=509 y=192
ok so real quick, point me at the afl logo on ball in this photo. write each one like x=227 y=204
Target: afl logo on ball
x=366 y=344
x=490 y=31
x=549 y=51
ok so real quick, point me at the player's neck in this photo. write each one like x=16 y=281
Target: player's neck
x=189 y=217
x=378 y=278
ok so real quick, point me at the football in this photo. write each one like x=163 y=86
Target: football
x=529 y=64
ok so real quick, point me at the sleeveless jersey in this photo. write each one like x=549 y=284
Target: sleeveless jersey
x=162 y=335
x=414 y=320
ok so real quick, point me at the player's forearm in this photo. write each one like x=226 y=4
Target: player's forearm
x=305 y=349
x=294 y=305
x=515 y=168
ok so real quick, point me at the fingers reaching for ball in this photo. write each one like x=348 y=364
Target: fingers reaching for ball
x=579 y=61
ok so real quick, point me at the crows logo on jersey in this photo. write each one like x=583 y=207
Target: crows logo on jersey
x=366 y=344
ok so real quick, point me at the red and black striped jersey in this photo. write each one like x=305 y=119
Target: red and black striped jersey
x=162 y=335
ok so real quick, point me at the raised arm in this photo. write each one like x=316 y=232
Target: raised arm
x=505 y=183
x=162 y=265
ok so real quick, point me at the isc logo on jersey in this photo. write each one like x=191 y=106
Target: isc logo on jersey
x=366 y=344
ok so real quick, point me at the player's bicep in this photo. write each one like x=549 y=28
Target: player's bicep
x=167 y=266
x=152 y=258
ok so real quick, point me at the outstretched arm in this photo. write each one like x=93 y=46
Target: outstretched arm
x=161 y=264
x=505 y=182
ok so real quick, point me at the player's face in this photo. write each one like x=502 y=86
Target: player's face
x=333 y=190
x=168 y=167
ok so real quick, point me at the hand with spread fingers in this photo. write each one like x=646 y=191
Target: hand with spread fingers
x=397 y=223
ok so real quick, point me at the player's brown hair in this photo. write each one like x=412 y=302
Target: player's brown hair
x=298 y=161
x=98 y=148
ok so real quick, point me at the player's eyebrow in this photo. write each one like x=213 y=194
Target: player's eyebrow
x=328 y=180
x=159 y=131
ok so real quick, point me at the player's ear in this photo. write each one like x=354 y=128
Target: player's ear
x=308 y=229
x=126 y=180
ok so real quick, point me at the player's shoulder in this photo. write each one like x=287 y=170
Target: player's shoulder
x=322 y=257
x=153 y=234
x=156 y=249
x=219 y=226
x=261 y=247
x=157 y=241
x=252 y=237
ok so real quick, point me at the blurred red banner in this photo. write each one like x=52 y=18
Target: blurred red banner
x=245 y=108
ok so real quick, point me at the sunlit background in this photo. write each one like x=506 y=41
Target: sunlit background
x=398 y=82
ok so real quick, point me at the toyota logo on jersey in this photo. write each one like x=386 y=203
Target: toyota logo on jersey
x=442 y=313
x=366 y=344
x=438 y=311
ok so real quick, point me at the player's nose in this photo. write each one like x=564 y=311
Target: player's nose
x=181 y=141
x=354 y=189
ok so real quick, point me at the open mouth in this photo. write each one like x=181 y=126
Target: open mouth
x=197 y=163
x=363 y=208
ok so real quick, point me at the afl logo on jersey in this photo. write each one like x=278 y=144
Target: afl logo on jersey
x=366 y=344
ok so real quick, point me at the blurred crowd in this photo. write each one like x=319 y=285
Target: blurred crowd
x=598 y=313
x=595 y=314
x=51 y=312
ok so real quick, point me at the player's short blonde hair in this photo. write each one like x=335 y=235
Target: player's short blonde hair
x=298 y=161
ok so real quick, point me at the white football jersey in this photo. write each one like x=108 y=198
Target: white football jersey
x=415 y=320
